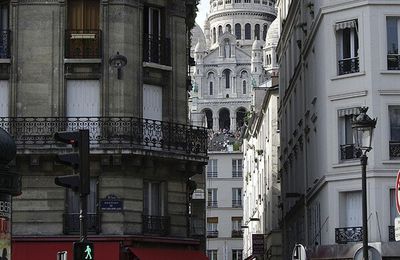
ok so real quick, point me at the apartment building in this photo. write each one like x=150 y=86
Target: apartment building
x=335 y=57
x=116 y=68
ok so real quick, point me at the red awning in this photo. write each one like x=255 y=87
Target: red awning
x=47 y=250
x=167 y=254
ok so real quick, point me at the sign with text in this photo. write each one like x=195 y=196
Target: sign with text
x=397 y=229
x=111 y=203
x=397 y=192
x=258 y=244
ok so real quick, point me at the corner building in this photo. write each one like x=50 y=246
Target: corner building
x=335 y=57
x=116 y=68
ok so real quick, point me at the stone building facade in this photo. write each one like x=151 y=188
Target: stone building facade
x=116 y=68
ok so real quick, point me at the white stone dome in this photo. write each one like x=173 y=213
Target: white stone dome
x=272 y=37
x=199 y=47
x=198 y=39
x=257 y=45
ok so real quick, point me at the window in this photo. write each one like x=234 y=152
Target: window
x=352 y=209
x=212 y=227
x=71 y=218
x=227 y=1
x=393 y=60
x=211 y=88
x=237 y=254
x=227 y=75
x=394 y=143
x=212 y=254
x=256 y=1
x=228 y=28
x=238 y=31
x=5 y=34
x=238 y=1
x=83 y=35
x=346 y=143
x=247 y=1
x=237 y=227
x=236 y=197
x=265 y=30
x=347 y=43
x=257 y=32
x=244 y=87
x=219 y=31
x=212 y=201
x=212 y=168
x=247 y=31
x=237 y=168
x=214 y=36
x=154 y=219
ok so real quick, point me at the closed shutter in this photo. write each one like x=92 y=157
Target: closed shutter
x=152 y=102
x=83 y=98
x=4 y=98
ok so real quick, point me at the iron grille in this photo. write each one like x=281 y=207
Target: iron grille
x=212 y=204
x=156 y=225
x=350 y=65
x=236 y=203
x=83 y=44
x=391 y=233
x=212 y=233
x=348 y=152
x=72 y=225
x=348 y=234
x=36 y=133
x=5 y=44
x=156 y=49
x=394 y=149
x=237 y=233
x=393 y=62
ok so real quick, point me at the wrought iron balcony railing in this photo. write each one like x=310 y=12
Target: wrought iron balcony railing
x=71 y=223
x=237 y=174
x=237 y=233
x=159 y=225
x=394 y=149
x=348 y=234
x=123 y=133
x=156 y=49
x=212 y=174
x=212 y=233
x=83 y=44
x=236 y=203
x=5 y=44
x=350 y=65
x=391 y=233
x=348 y=152
x=393 y=62
x=212 y=204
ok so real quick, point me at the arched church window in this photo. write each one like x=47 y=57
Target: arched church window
x=257 y=32
x=226 y=74
x=208 y=118
x=244 y=87
x=219 y=30
x=228 y=28
x=247 y=31
x=224 y=119
x=240 y=115
x=214 y=36
x=238 y=31
x=265 y=30
x=211 y=88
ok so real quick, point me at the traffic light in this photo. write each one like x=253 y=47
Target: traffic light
x=83 y=250
x=78 y=160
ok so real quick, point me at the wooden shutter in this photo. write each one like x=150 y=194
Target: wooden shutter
x=83 y=14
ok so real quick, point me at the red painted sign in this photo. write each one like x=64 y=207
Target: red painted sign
x=397 y=192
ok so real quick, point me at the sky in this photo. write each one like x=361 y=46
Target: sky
x=201 y=14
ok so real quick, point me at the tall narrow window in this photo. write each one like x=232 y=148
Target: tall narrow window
x=347 y=41
x=237 y=168
x=154 y=219
x=5 y=33
x=394 y=143
x=247 y=31
x=257 y=32
x=219 y=31
x=244 y=87
x=83 y=35
x=237 y=254
x=236 y=197
x=214 y=36
x=393 y=210
x=212 y=227
x=227 y=76
x=347 y=149
x=212 y=200
x=228 y=28
x=212 y=168
x=265 y=30
x=237 y=227
x=238 y=31
x=211 y=88
x=392 y=30
x=212 y=254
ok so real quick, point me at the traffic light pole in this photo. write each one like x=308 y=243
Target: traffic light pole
x=84 y=181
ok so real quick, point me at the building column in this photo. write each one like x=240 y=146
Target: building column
x=233 y=123
x=215 y=123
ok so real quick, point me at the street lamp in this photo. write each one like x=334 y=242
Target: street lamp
x=363 y=128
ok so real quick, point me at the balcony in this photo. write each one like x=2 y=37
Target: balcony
x=212 y=174
x=212 y=204
x=212 y=233
x=348 y=152
x=393 y=62
x=348 y=234
x=394 y=149
x=391 y=233
x=237 y=174
x=121 y=134
x=72 y=224
x=237 y=233
x=156 y=225
x=350 y=65
x=83 y=44
x=156 y=49
x=5 y=44
x=236 y=203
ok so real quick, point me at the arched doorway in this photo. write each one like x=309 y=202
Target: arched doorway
x=208 y=118
x=224 y=119
x=240 y=115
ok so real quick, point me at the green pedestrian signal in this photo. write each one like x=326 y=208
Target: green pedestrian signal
x=83 y=251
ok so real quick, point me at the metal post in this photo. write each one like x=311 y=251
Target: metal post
x=364 y=160
x=84 y=181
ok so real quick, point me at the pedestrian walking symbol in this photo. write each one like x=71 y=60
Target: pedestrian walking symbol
x=88 y=252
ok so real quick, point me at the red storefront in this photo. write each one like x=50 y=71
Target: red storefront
x=112 y=248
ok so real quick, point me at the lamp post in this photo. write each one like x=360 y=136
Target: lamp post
x=363 y=128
